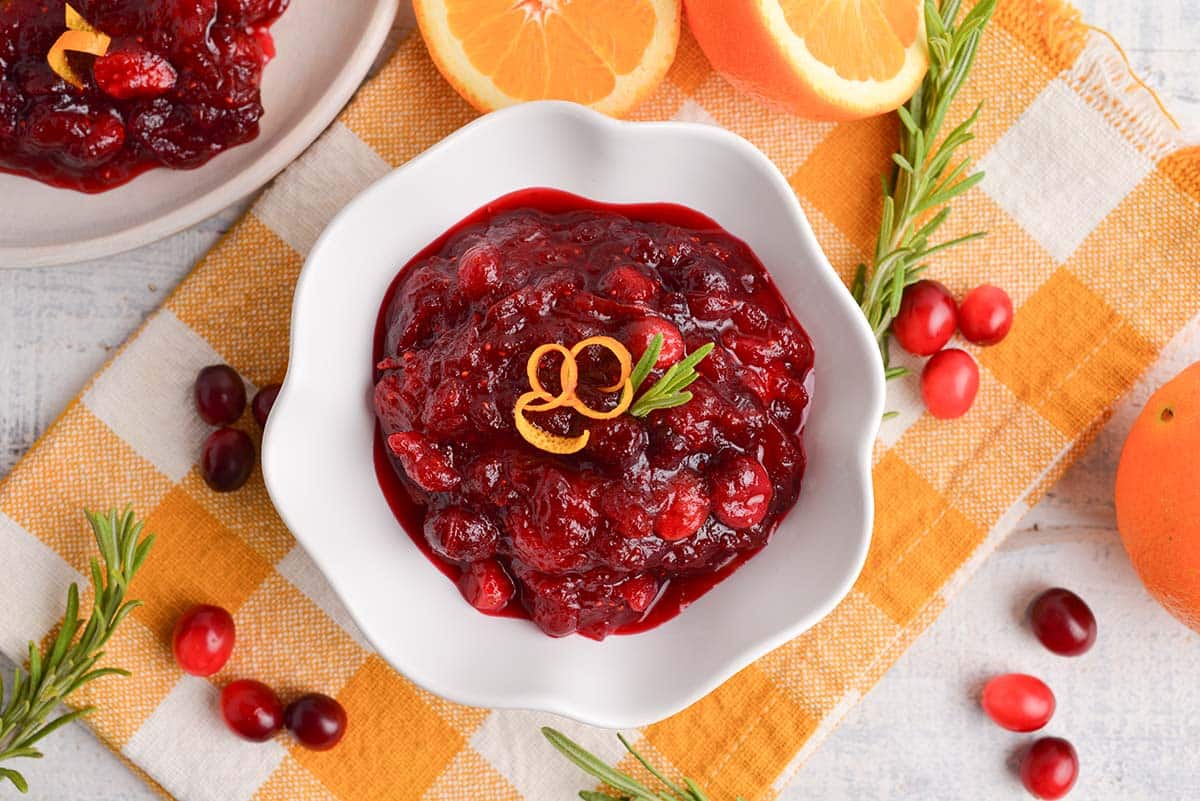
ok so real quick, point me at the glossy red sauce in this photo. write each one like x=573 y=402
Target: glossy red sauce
x=179 y=85
x=655 y=511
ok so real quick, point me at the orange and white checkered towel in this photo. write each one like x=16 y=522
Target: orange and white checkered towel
x=1094 y=221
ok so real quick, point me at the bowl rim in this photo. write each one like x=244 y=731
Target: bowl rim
x=240 y=185
x=537 y=699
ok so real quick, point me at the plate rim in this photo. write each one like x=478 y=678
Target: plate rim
x=241 y=185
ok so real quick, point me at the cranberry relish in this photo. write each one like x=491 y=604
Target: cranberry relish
x=654 y=510
x=179 y=84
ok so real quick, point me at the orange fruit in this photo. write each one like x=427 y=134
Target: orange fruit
x=821 y=59
x=608 y=54
x=1158 y=496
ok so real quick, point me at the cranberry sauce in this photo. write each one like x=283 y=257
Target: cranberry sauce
x=654 y=511
x=179 y=84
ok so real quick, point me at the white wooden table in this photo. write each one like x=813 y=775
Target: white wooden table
x=1131 y=706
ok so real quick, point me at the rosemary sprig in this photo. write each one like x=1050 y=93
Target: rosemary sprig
x=629 y=788
x=667 y=391
x=70 y=663
x=925 y=176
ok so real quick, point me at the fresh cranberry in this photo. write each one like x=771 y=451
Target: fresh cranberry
x=741 y=492
x=264 y=401
x=1063 y=622
x=251 y=710
x=985 y=315
x=460 y=535
x=1049 y=768
x=227 y=459
x=949 y=383
x=133 y=71
x=486 y=586
x=316 y=720
x=424 y=463
x=203 y=640
x=686 y=509
x=1018 y=702
x=220 y=395
x=643 y=331
x=926 y=319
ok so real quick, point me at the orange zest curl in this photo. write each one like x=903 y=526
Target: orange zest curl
x=539 y=399
x=80 y=37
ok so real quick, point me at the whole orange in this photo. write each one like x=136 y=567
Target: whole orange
x=1158 y=496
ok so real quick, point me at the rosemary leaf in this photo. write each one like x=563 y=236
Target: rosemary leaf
x=69 y=663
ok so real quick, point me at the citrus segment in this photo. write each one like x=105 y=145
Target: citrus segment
x=605 y=53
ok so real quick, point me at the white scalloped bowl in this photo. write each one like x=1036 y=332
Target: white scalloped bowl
x=317 y=454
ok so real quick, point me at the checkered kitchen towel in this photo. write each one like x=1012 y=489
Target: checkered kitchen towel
x=1094 y=221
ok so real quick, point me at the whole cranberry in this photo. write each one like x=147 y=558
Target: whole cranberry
x=79 y=138
x=251 y=709
x=741 y=492
x=220 y=395
x=927 y=318
x=642 y=332
x=316 y=720
x=949 y=383
x=264 y=401
x=479 y=270
x=1018 y=702
x=460 y=535
x=486 y=586
x=986 y=315
x=1049 y=768
x=1063 y=622
x=627 y=282
x=131 y=71
x=227 y=459
x=428 y=468
x=686 y=509
x=203 y=640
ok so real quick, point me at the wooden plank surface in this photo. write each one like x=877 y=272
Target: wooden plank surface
x=1130 y=706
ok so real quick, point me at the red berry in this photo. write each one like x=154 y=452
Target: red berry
x=949 y=383
x=316 y=720
x=686 y=508
x=220 y=395
x=1018 y=702
x=986 y=315
x=741 y=492
x=251 y=710
x=133 y=72
x=428 y=468
x=227 y=459
x=460 y=535
x=926 y=319
x=203 y=640
x=643 y=331
x=264 y=401
x=628 y=283
x=1049 y=768
x=486 y=586
x=1063 y=622
x=479 y=270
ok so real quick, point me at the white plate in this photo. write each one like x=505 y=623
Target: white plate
x=324 y=51
x=317 y=456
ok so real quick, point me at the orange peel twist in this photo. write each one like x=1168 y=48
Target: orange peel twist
x=80 y=37
x=539 y=399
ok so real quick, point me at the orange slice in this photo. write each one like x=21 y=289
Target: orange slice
x=608 y=54
x=821 y=59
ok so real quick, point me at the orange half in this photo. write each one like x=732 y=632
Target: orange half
x=608 y=54
x=821 y=59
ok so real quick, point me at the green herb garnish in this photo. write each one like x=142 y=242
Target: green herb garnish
x=629 y=788
x=667 y=391
x=71 y=663
x=924 y=177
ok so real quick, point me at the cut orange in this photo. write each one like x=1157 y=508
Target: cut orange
x=608 y=54
x=821 y=59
